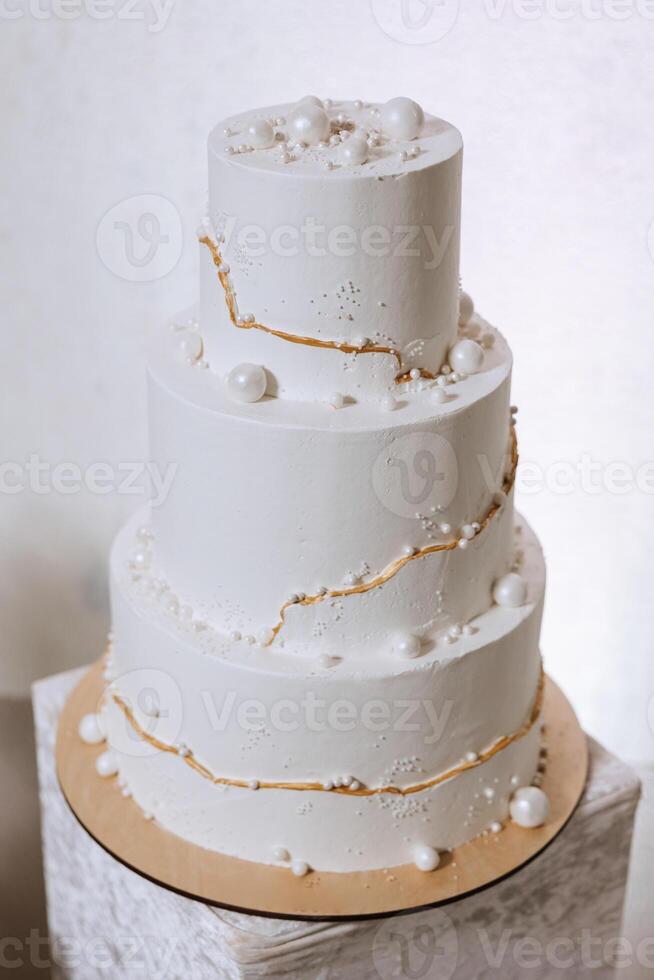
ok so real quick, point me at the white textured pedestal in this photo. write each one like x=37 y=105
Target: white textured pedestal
x=559 y=915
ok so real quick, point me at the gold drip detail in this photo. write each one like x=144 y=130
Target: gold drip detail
x=399 y=563
x=457 y=770
x=230 y=300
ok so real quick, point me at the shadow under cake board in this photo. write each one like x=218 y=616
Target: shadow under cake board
x=117 y=824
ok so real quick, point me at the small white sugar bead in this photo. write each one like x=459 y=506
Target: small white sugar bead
x=106 y=765
x=90 y=730
x=426 y=858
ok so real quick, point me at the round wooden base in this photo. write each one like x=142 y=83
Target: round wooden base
x=118 y=825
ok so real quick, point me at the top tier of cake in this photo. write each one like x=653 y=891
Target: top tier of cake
x=331 y=252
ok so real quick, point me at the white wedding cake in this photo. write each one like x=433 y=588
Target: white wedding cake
x=325 y=646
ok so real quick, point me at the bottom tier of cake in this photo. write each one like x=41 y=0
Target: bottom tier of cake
x=305 y=762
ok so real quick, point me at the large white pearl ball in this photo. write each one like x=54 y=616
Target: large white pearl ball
x=106 y=765
x=402 y=119
x=354 y=151
x=261 y=133
x=426 y=858
x=407 y=645
x=90 y=730
x=247 y=382
x=510 y=590
x=466 y=356
x=466 y=309
x=309 y=123
x=529 y=807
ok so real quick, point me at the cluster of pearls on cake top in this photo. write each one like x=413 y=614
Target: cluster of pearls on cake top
x=315 y=124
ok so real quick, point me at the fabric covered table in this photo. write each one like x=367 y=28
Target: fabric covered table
x=560 y=915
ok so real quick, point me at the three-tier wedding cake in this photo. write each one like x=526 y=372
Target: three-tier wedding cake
x=325 y=638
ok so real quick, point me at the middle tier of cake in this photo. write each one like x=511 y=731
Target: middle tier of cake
x=332 y=531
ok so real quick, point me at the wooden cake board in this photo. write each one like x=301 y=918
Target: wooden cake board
x=117 y=824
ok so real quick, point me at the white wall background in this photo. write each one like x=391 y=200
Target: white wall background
x=555 y=103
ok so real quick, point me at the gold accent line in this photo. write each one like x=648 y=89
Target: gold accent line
x=399 y=563
x=230 y=300
x=457 y=770
x=406 y=376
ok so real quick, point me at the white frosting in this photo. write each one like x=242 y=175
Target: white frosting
x=456 y=699
x=274 y=499
x=389 y=275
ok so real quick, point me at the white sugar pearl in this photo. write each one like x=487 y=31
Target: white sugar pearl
x=510 y=590
x=265 y=636
x=308 y=122
x=351 y=579
x=467 y=356
x=106 y=765
x=337 y=400
x=407 y=645
x=389 y=403
x=462 y=543
x=90 y=731
x=495 y=827
x=246 y=383
x=235 y=635
x=466 y=309
x=402 y=119
x=187 y=346
x=300 y=868
x=281 y=854
x=471 y=757
x=445 y=528
x=414 y=374
x=439 y=396
x=426 y=858
x=261 y=133
x=489 y=792
x=354 y=151
x=529 y=807
x=468 y=531
x=253 y=784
